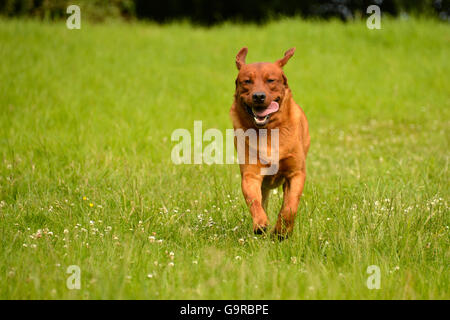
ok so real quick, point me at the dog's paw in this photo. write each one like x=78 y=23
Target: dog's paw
x=260 y=230
x=281 y=235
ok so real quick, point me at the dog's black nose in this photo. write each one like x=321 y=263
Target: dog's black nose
x=259 y=97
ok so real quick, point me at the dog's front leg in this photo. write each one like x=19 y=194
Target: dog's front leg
x=251 y=188
x=292 y=188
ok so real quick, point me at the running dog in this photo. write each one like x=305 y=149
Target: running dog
x=263 y=100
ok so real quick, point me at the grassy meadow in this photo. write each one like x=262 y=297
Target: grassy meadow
x=86 y=176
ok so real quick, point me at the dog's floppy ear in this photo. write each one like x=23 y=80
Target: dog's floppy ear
x=287 y=55
x=240 y=58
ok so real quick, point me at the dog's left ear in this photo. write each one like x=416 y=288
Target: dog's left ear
x=240 y=58
x=287 y=55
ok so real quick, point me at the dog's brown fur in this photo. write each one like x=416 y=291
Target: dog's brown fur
x=294 y=141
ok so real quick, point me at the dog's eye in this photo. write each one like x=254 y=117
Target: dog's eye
x=247 y=81
x=270 y=80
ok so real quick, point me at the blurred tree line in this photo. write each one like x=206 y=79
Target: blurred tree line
x=208 y=12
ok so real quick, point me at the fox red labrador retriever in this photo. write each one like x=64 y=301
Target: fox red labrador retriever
x=263 y=100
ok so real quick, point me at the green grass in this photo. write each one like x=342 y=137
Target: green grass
x=89 y=113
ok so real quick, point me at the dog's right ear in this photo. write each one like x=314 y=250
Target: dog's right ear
x=287 y=55
x=240 y=58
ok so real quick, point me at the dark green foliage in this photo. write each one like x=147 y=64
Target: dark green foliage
x=208 y=12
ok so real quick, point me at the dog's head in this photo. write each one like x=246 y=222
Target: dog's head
x=260 y=87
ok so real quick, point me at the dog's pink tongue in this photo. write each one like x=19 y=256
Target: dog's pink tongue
x=273 y=107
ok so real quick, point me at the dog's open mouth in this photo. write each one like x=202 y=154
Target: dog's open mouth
x=261 y=115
